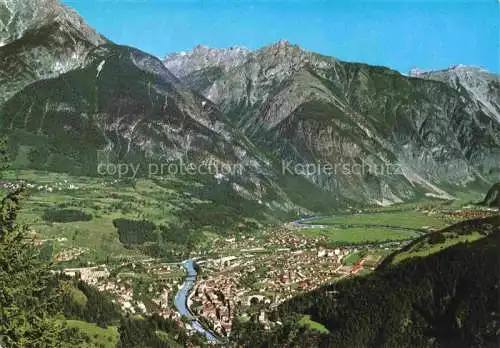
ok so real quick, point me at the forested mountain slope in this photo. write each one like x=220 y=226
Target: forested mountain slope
x=492 y=198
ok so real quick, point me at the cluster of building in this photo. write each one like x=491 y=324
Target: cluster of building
x=9 y=185
x=58 y=186
x=245 y=277
x=467 y=214
x=213 y=299
x=70 y=254
x=64 y=185
x=264 y=271
x=120 y=285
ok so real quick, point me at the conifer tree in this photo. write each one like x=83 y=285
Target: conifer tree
x=28 y=290
x=4 y=155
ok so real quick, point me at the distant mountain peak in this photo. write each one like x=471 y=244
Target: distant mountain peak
x=282 y=44
x=416 y=72
x=477 y=82
x=201 y=57
x=466 y=67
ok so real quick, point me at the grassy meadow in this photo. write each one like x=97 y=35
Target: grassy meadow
x=98 y=337
x=313 y=325
x=104 y=200
x=424 y=247
x=73 y=216
x=396 y=218
x=359 y=235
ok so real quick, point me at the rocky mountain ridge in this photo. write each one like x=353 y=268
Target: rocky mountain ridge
x=475 y=82
x=40 y=39
x=116 y=104
x=309 y=108
x=19 y=17
x=202 y=57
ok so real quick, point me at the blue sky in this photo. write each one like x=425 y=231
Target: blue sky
x=401 y=34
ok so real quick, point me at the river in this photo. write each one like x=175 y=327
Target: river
x=181 y=300
x=191 y=274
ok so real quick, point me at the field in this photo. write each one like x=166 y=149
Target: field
x=104 y=200
x=405 y=219
x=313 y=325
x=353 y=258
x=424 y=248
x=73 y=217
x=98 y=337
x=398 y=223
x=359 y=235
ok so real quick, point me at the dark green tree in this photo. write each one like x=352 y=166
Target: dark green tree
x=28 y=290
x=4 y=155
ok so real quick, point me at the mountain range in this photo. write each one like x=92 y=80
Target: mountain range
x=312 y=132
x=305 y=107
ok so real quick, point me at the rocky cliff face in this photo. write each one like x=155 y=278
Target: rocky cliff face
x=412 y=136
x=479 y=85
x=122 y=102
x=38 y=40
x=17 y=17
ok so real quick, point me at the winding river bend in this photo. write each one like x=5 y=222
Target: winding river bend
x=181 y=301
